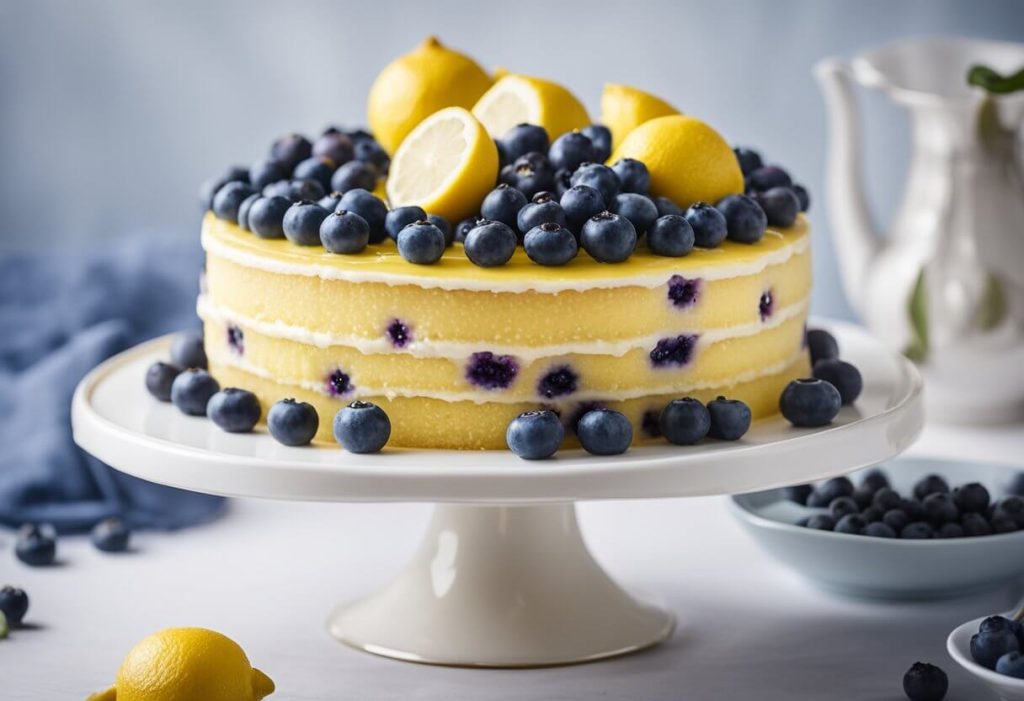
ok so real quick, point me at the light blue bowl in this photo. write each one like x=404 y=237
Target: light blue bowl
x=889 y=568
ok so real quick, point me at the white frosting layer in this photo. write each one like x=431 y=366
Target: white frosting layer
x=522 y=284
x=426 y=348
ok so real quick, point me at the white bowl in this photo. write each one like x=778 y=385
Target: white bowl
x=884 y=567
x=958 y=644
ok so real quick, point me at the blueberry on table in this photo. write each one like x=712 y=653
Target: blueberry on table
x=879 y=529
x=421 y=243
x=302 y=223
x=535 y=435
x=930 y=484
x=580 y=203
x=797 y=493
x=830 y=489
x=925 y=682
x=975 y=524
x=191 y=391
x=159 y=377
x=522 y=139
x=503 y=204
x=444 y=226
x=490 y=244
x=780 y=205
x=111 y=535
x=821 y=522
x=972 y=498
x=709 y=225
x=684 y=421
x=767 y=177
x=843 y=506
x=36 y=544
x=601 y=178
x=638 y=209
x=354 y=175
x=851 y=524
x=229 y=198
x=604 y=432
x=550 y=244
x=666 y=206
x=917 y=530
x=234 y=410
x=292 y=423
x=821 y=345
x=362 y=427
x=344 y=232
x=988 y=647
x=745 y=221
x=13 y=604
x=749 y=159
x=262 y=174
x=1011 y=664
x=730 y=419
x=670 y=235
x=940 y=508
x=810 y=403
x=542 y=210
x=266 y=216
x=401 y=217
x=187 y=350
x=633 y=175
x=290 y=149
x=570 y=150
x=601 y=138
x=608 y=238
x=371 y=208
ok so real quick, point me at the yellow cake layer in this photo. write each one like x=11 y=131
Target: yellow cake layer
x=419 y=422
x=713 y=363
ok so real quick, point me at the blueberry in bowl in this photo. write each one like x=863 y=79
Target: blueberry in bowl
x=990 y=649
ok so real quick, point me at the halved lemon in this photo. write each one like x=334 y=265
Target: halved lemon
x=522 y=99
x=624 y=108
x=446 y=165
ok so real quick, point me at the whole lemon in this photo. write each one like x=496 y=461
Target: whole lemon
x=688 y=160
x=187 y=664
x=414 y=86
x=624 y=108
x=523 y=99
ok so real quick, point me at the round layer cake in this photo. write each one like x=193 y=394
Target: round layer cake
x=453 y=352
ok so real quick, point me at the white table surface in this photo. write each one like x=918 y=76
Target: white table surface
x=269 y=572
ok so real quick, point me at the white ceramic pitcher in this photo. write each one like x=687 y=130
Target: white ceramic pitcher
x=946 y=285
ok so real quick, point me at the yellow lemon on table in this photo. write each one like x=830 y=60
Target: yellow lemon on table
x=522 y=99
x=187 y=664
x=414 y=86
x=446 y=165
x=688 y=160
x=624 y=108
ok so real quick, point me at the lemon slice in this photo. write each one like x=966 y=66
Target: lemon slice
x=624 y=108
x=446 y=165
x=518 y=99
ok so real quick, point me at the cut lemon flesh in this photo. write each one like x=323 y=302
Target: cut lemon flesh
x=519 y=99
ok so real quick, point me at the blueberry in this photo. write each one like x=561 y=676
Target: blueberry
x=730 y=419
x=852 y=524
x=886 y=499
x=822 y=345
x=362 y=427
x=863 y=497
x=780 y=205
x=262 y=174
x=879 y=529
x=1000 y=524
x=503 y=204
x=975 y=524
x=666 y=206
x=266 y=216
x=530 y=173
x=344 y=232
x=292 y=423
x=229 y=198
x=187 y=350
x=535 y=435
x=683 y=293
x=36 y=545
x=670 y=235
x=896 y=519
x=290 y=149
x=843 y=506
x=401 y=217
x=798 y=493
x=912 y=508
x=302 y=221
x=638 y=209
x=331 y=201
x=159 y=377
x=995 y=624
x=841 y=375
x=709 y=225
x=369 y=151
x=490 y=244
x=210 y=187
x=872 y=514
x=988 y=647
x=550 y=244
x=111 y=535
x=317 y=169
x=490 y=371
x=873 y=480
x=802 y=196
x=522 y=139
x=608 y=238
x=972 y=497
x=234 y=410
x=1011 y=508
x=562 y=182
x=444 y=226
x=830 y=489
x=917 y=530
x=13 y=604
x=684 y=421
x=925 y=682
x=821 y=522
x=570 y=150
x=304 y=189
x=633 y=175
x=930 y=484
x=371 y=208
x=334 y=146
x=580 y=203
x=463 y=228
x=767 y=177
x=750 y=160
x=243 y=209
x=810 y=402
x=601 y=139
x=950 y=530
x=940 y=508
x=354 y=175
x=604 y=432
x=1011 y=664
x=674 y=350
x=601 y=178
x=421 y=243
x=191 y=391
x=745 y=221
x=558 y=382
x=542 y=210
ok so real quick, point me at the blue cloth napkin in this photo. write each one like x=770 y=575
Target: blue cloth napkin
x=61 y=313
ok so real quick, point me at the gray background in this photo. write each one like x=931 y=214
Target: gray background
x=112 y=113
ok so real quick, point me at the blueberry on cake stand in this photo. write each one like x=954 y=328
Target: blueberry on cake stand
x=503 y=577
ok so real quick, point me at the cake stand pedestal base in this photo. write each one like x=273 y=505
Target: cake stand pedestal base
x=501 y=586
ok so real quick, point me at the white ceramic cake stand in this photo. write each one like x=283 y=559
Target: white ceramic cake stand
x=503 y=577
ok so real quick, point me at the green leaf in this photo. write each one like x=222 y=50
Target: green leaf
x=917 y=349
x=993 y=82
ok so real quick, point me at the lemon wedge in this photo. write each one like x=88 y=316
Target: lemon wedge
x=624 y=108
x=521 y=99
x=446 y=165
